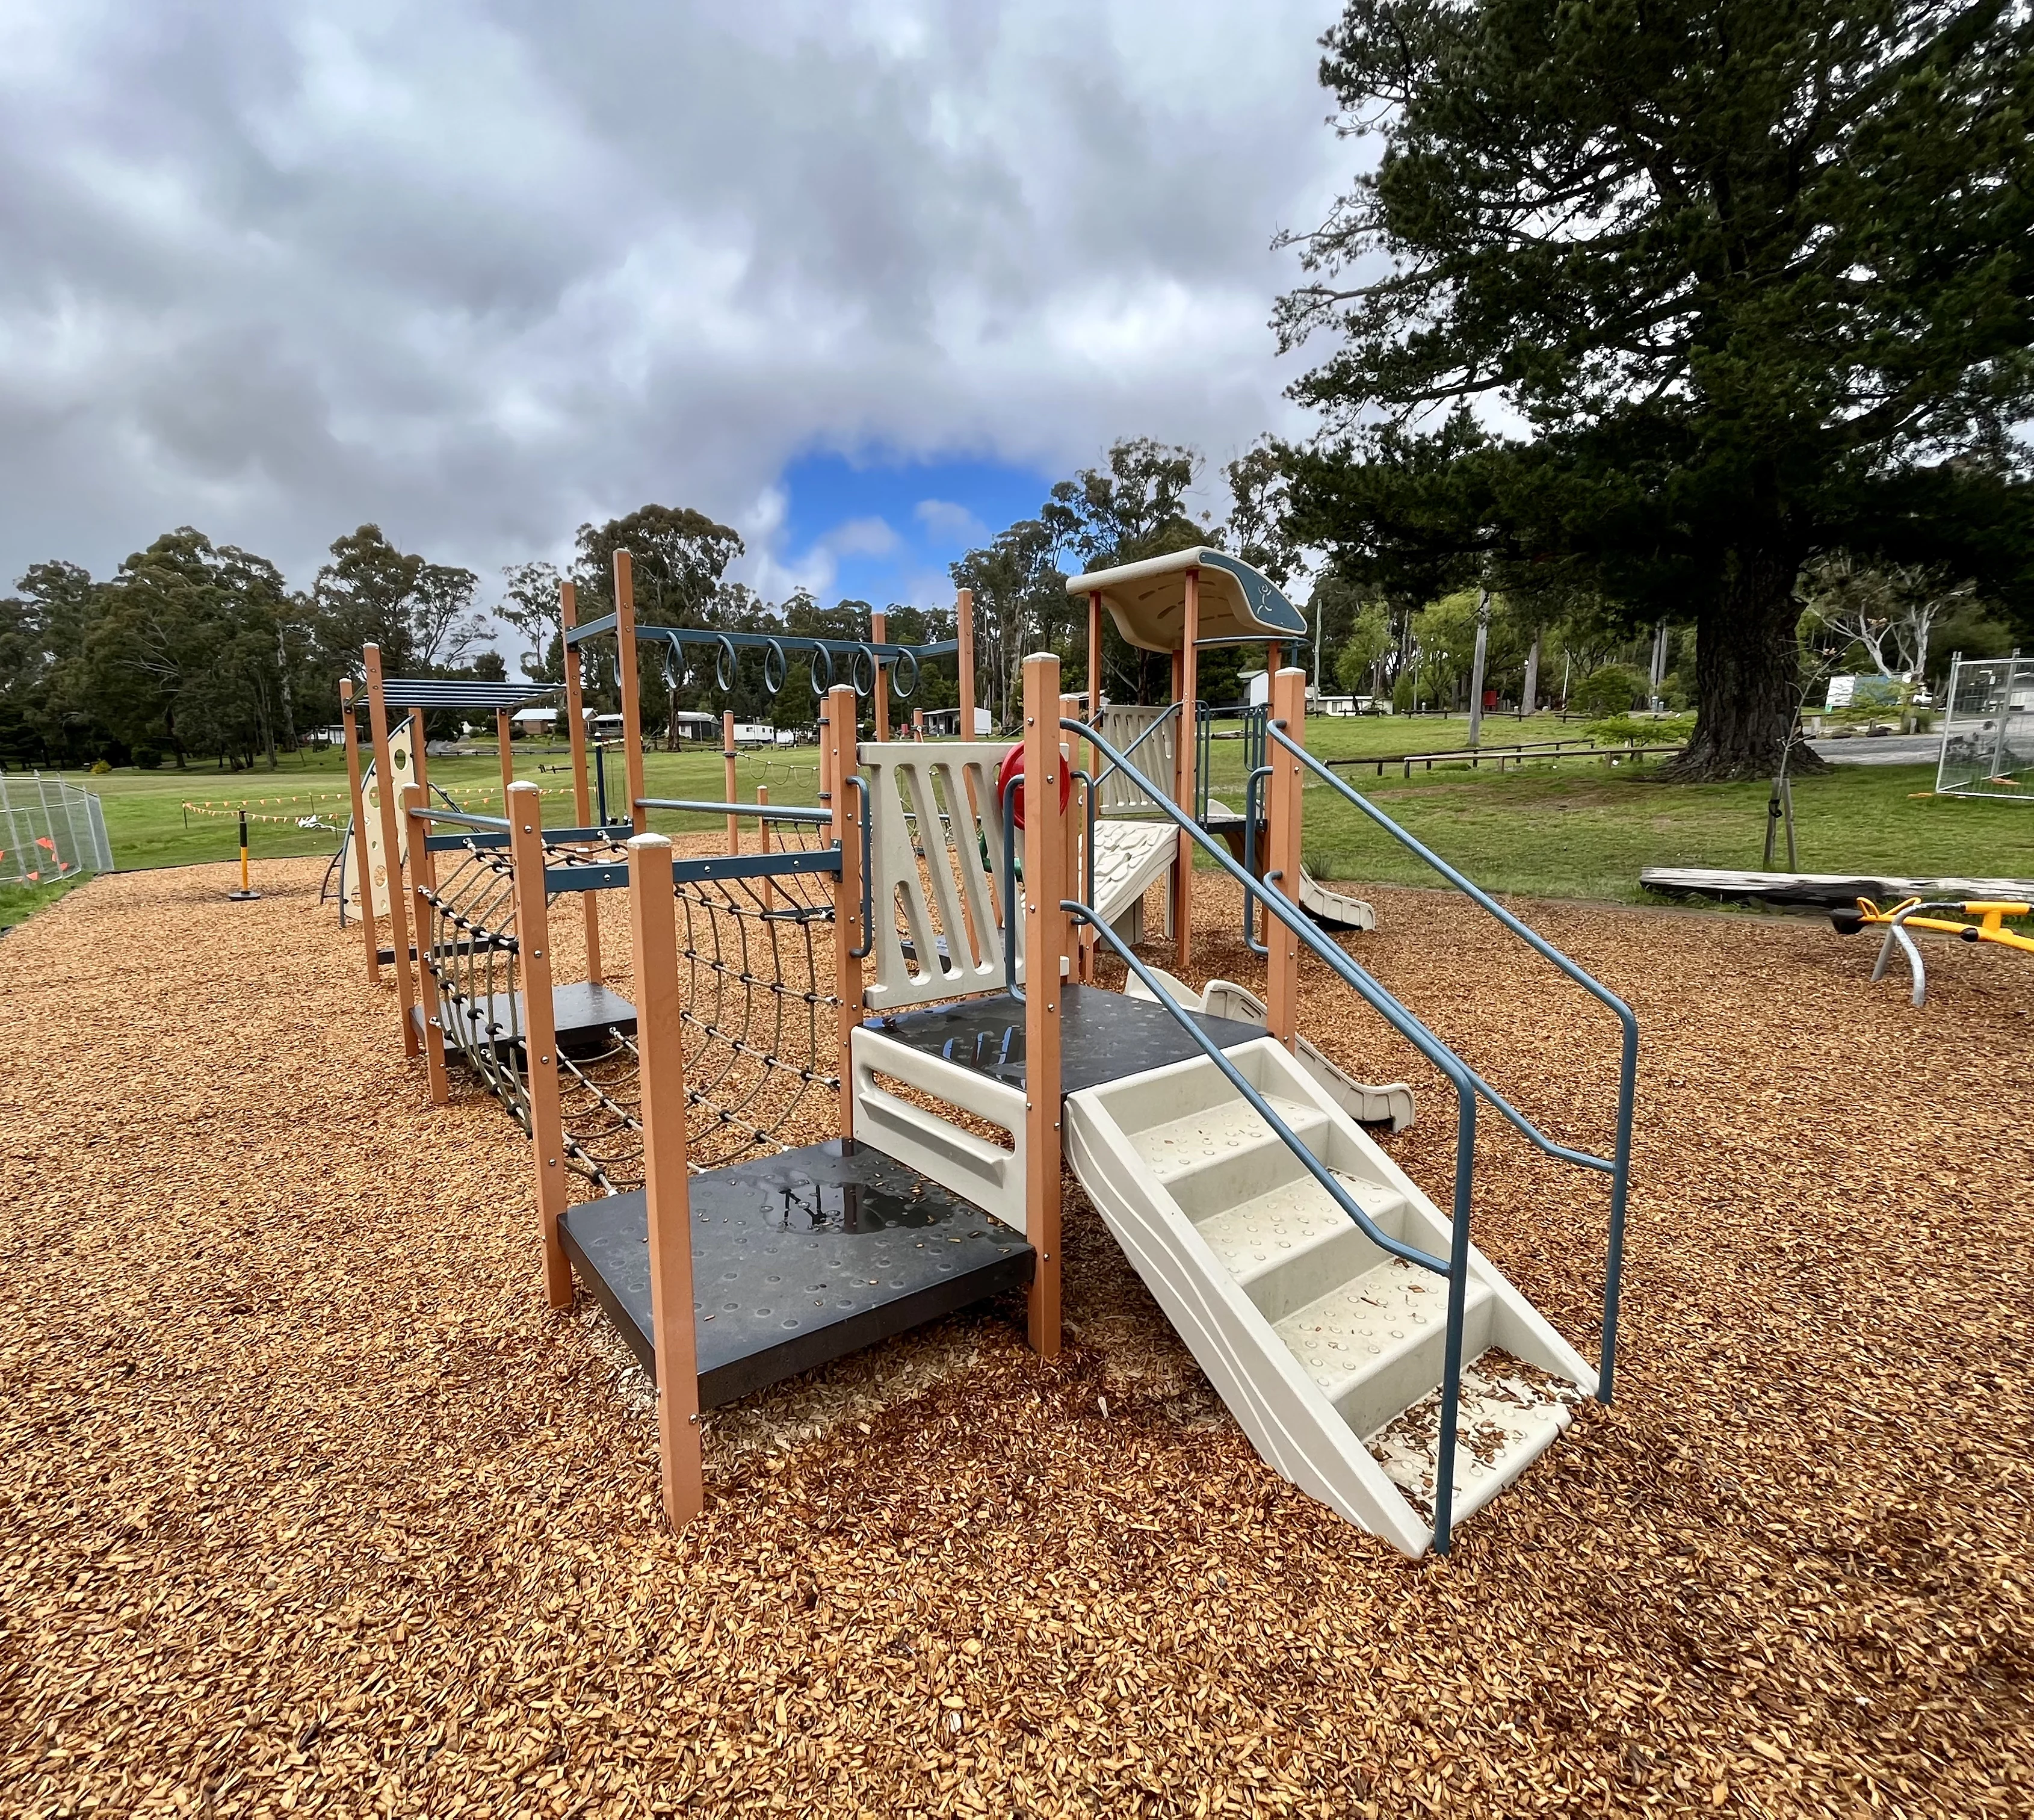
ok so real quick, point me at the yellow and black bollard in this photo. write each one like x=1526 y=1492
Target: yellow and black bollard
x=246 y=892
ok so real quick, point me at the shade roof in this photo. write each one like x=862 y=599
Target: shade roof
x=1239 y=605
x=448 y=691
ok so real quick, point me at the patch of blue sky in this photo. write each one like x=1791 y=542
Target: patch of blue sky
x=886 y=532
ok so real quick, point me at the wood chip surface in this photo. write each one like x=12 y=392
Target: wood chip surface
x=312 y=1507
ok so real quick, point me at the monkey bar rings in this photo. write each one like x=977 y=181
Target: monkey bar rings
x=861 y=660
x=1912 y=914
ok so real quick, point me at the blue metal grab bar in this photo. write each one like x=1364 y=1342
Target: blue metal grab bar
x=1465 y=1081
x=1618 y=1165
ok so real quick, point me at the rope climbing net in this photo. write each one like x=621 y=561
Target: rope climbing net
x=759 y=1011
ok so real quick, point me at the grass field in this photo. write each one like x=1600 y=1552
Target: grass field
x=1574 y=828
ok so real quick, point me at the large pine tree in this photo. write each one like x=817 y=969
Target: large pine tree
x=1656 y=300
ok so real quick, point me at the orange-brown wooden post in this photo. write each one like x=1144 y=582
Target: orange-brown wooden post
x=879 y=634
x=843 y=762
x=632 y=695
x=430 y=1001
x=1186 y=689
x=582 y=784
x=763 y=845
x=667 y=1192
x=964 y=631
x=1045 y=941
x=368 y=934
x=1281 y=967
x=727 y=769
x=388 y=795
x=918 y=723
x=1095 y=657
x=504 y=733
x=540 y=1046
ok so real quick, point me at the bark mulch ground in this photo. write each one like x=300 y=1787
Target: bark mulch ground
x=310 y=1506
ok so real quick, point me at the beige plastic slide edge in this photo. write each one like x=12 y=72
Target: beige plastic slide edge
x=1289 y=1418
x=926 y=840
x=1333 y=909
x=1387 y=1102
x=990 y=1177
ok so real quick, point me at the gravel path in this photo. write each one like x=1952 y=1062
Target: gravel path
x=311 y=1506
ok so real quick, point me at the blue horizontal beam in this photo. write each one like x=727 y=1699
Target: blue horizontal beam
x=592 y=628
x=615 y=877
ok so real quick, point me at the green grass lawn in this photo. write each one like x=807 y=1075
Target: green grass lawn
x=1583 y=830
x=1574 y=828
x=147 y=823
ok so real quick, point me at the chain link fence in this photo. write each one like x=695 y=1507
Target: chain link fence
x=49 y=830
x=1988 y=729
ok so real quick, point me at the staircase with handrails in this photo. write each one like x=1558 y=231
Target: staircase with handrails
x=1371 y=1352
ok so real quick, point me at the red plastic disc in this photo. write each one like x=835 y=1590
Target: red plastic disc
x=1013 y=766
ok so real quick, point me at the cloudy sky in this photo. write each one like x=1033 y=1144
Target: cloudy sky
x=859 y=279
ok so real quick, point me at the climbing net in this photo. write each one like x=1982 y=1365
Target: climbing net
x=758 y=1012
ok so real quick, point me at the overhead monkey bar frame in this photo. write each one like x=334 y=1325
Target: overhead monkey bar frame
x=863 y=658
x=866 y=661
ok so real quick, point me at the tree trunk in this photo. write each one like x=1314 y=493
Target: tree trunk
x=1747 y=675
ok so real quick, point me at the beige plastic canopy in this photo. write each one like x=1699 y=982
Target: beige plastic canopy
x=1148 y=601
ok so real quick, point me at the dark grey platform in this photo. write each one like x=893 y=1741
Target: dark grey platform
x=582 y=1015
x=1103 y=1036
x=798 y=1259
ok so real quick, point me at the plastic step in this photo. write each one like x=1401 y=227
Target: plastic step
x=1378 y=1342
x=1291 y=1245
x=1509 y=1414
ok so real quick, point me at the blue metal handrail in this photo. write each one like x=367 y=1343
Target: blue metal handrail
x=1465 y=1081
x=1085 y=913
x=1618 y=1165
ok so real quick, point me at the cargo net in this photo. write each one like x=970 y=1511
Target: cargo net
x=759 y=1011
x=761 y=1035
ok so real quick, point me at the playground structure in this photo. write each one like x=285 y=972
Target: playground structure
x=836 y=1103
x=1920 y=913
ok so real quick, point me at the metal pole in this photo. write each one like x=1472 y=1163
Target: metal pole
x=1530 y=705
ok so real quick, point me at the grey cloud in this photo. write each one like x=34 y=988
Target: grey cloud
x=480 y=271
